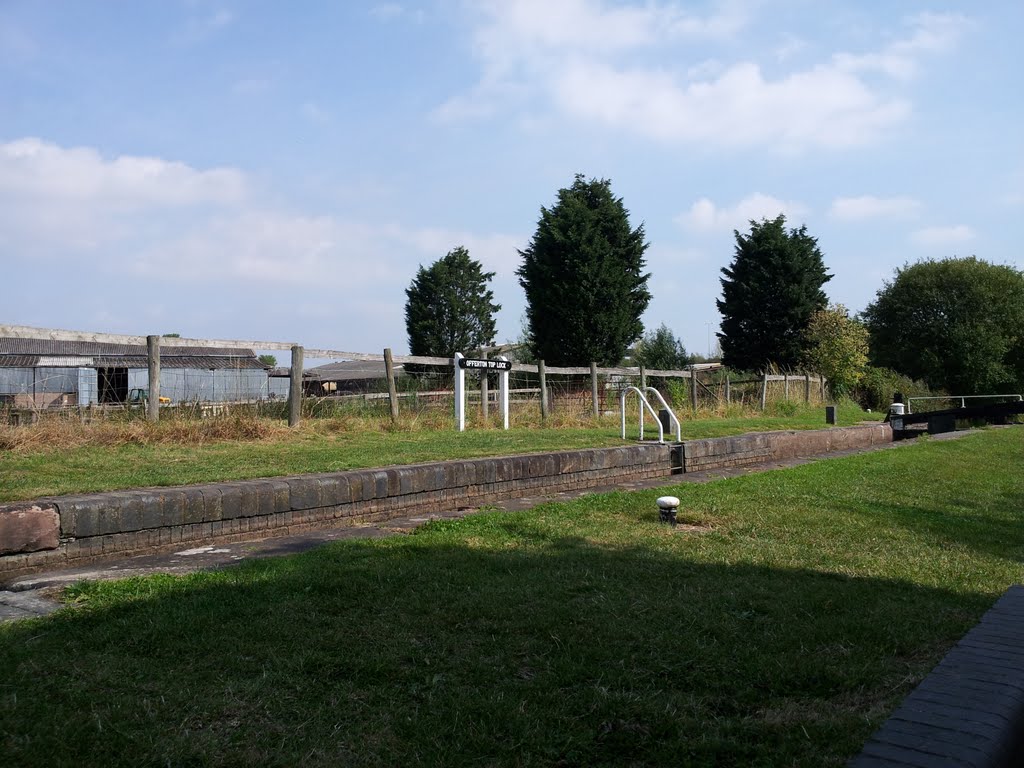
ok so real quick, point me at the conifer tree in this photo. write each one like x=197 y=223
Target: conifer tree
x=584 y=279
x=769 y=293
x=449 y=307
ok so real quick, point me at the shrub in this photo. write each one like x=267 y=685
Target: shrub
x=875 y=390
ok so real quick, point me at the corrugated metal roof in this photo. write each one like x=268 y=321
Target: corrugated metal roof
x=195 y=362
x=18 y=361
x=10 y=346
x=350 y=370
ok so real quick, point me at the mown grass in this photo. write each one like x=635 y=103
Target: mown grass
x=55 y=458
x=574 y=634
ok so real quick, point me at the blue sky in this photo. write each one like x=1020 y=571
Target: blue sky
x=279 y=171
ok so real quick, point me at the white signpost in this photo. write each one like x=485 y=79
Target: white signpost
x=461 y=363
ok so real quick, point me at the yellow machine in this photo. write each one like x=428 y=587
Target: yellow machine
x=140 y=396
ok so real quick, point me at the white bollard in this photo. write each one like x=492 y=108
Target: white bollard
x=667 y=508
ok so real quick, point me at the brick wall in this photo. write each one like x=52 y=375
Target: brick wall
x=70 y=530
x=759 y=447
x=76 y=529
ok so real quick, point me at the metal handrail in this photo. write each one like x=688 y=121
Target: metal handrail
x=671 y=414
x=961 y=398
x=643 y=404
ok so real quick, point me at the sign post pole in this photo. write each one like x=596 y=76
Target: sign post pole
x=503 y=394
x=460 y=392
x=461 y=363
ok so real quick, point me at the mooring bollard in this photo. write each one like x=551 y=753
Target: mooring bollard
x=667 y=508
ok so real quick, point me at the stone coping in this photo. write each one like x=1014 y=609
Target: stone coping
x=969 y=710
x=64 y=530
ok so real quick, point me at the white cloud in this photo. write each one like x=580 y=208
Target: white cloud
x=514 y=30
x=155 y=218
x=937 y=237
x=574 y=57
x=40 y=171
x=520 y=43
x=705 y=216
x=60 y=198
x=933 y=33
x=739 y=108
x=871 y=207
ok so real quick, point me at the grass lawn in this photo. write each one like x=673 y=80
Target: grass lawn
x=574 y=634
x=47 y=469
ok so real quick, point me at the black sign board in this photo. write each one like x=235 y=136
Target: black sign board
x=485 y=365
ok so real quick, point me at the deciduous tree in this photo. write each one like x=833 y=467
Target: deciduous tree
x=837 y=348
x=661 y=350
x=957 y=324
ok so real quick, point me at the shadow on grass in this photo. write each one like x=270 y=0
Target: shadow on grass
x=422 y=650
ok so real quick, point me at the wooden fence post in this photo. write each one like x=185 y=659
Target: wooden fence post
x=693 y=388
x=807 y=388
x=785 y=379
x=389 y=368
x=295 y=388
x=728 y=390
x=593 y=389
x=153 y=404
x=643 y=381
x=543 y=390
x=764 y=391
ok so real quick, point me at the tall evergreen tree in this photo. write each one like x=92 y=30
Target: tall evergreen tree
x=769 y=293
x=584 y=279
x=449 y=307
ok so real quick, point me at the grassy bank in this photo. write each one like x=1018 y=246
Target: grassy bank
x=779 y=632
x=60 y=457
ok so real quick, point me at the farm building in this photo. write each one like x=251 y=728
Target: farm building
x=44 y=374
x=348 y=377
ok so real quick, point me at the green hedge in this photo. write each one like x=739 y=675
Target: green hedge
x=876 y=389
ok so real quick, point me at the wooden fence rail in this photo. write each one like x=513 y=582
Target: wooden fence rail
x=298 y=353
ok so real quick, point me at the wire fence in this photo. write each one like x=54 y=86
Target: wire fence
x=367 y=384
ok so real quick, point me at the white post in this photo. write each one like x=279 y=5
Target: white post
x=460 y=393
x=503 y=393
x=643 y=383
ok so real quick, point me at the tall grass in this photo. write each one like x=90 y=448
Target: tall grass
x=62 y=430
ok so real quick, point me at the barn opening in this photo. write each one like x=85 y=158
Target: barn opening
x=113 y=385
